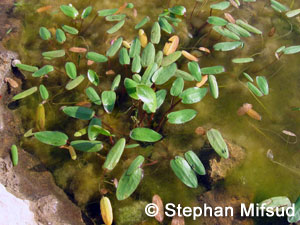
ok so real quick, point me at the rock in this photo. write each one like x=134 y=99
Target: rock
x=221 y=198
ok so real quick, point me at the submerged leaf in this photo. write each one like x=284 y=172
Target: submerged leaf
x=43 y=71
x=195 y=162
x=54 y=54
x=218 y=21
x=71 y=70
x=93 y=95
x=155 y=33
x=116 y=27
x=242 y=60
x=27 y=68
x=262 y=83
x=92 y=133
x=217 y=142
x=45 y=33
x=96 y=57
x=227 y=46
x=74 y=83
x=87 y=146
x=145 y=20
x=44 y=92
x=254 y=89
x=114 y=154
x=108 y=100
x=114 y=48
x=25 y=93
x=79 y=112
x=54 y=138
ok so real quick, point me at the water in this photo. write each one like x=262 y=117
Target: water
x=258 y=177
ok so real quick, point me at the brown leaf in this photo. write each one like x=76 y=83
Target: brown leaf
x=178 y=220
x=171 y=45
x=77 y=50
x=44 y=8
x=110 y=72
x=203 y=81
x=189 y=56
x=143 y=38
x=203 y=49
x=234 y=4
x=90 y=62
x=126 y=44
x=272 y=31
x=11 y=82
x=229 y=17
x=200 y=131
x=84 y=104
x=121 y=8
x=158 y=202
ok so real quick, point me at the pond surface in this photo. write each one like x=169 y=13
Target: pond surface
x=258 y=177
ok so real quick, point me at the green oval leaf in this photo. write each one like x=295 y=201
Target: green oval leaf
x=114 y=48
x=124 y=57
x=184 y=172
x=96 y=129
x=227 y=46
x=70 y=30
x=193 y=95
x=145 y=20
x=25 y=93
x=71 y=70
x=44 y=92
x=107 y=12
x=242 y=60
x=248 y=27
x=220 y=6
x=213 y=70
x=177 y=87
x=195 y=70
x=213 y=86
x=92 y=133
x=168 y=60
x=136 y=164
x=96 y=57
x=217 y=21
x=108 y=100
x=93 y=95
x=135 y=48
x=293 y=13
x=145 y=135
x=86 y=12
x=184 y=75
x=148 y=74
x=14 y=155
x=160 y=98
x=27 y=68
x=217 y=142
x=159 y=57
x=195 y=162
x=248 y=77
x=291 y=50
x=238 y=30
x=148 y=55
x=165 y=25
x=155 y=33
x=116 y=82
x=254 y=89
x=181 y=116
x=116 y=27
x=43 y=71
x=54 y=54
x=136 y=64
x=45 y=33
x=148 y=96
x=114 y=155
x=280 y=203
x=262 y=83
x=79 y=112
x=115 y=17
x=69 y=10
x=87 y=146
x=178 y=10
x=54 y=138
x=60 y=36
x=93 y=77
x=226 y=33
x=74 y=83
x=278 y=6
x=130 y=86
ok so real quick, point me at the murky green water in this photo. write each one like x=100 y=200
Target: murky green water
x=258 y=176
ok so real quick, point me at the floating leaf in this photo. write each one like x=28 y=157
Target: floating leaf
x=262 y=83
x=147 y=95
x=107 y=12
x=238 y=30
x=216 y=21
x=74 y=83
x=148 y=55
x=135 y=48
x=87 y=146
x=136 y=64
x=145 y=135
x=226 y=33
x=184 y=172
x=220 y=6
x=186 y=76
x=93 y=77
x=116 y=27
x=213 y=70
x=114 y=48
x=178 y=10
x=146 y=78
x=155 y=33
x=124 y=57
x=95 y=129
x=115 y=17
x=69 y=10
x=181 y=116
x=132 y=146
x=27 y=68
x=242 y=60
x=145 y=20
x=248 y=27
x=168 y=60
x=25 y=93
x=177 y=87
x=128 y=183
x=108 y=100
x=278 y=6
x=114 y=154
x=54 y=138
x=291 y=50
x=71 y=70
x=43 y=71
x=193 y=95
x=165 y=25
x=217 y=142
x=293 y=13
x=296 y=217
x=254 y=89
x=163 y=74
x=227 y=46
x=14 y=155
x=44 y=92
x=160 y=98
x=93 y=95
x=248 y=77
x=70 y=30
x=159 y=57
x=79 y=112
x=279 y=203
x=92 y=133
x=106 y=210
x=195 y=70
x=130 y=86
x=54 y=54
x=96 y=57
x=86 y=12
x=45 y=33
x=116 y=82
x=213 y=86
x=195 y=162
